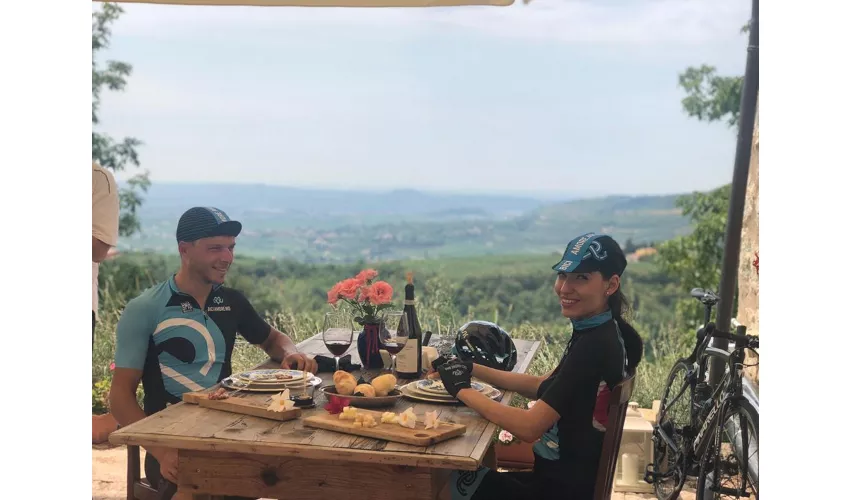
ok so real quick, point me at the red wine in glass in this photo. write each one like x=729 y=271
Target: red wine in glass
x=338 y=333
x=393 y=333
x=393 y=347
x=337 y=347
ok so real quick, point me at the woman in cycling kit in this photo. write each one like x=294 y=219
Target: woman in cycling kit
x=567 y=424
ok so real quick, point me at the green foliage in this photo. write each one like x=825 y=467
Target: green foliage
x=695 y=260
x=516 y=291
x=100 y=395
x=711 y=97
x=106 y=151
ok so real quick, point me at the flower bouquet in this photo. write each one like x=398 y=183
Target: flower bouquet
x=367 y=298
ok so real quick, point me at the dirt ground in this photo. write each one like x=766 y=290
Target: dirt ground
x=109 y=475
x=109 y=472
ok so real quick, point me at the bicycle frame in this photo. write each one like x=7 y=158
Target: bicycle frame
x=708 y=403
x=731 y=383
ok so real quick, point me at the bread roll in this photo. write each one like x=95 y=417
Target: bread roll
x=346 y=387
x=344 y=383
x=384 y=384
x=340 y=375
x=365 y=390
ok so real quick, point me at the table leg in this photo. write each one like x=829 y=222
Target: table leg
x=489 y=459
x=134 y=471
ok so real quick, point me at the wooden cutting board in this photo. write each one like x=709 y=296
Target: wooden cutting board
x=420 y=436
x=245 y=403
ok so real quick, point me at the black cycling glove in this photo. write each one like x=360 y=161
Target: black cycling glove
x=455 y=374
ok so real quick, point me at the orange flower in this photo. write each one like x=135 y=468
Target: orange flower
x=348 y=288
x=333 y=295
x=380 y=293
x=366 y=275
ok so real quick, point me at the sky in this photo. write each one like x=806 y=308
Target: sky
x=556 y=96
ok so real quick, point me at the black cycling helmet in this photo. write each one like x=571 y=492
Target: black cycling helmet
x=487 y=344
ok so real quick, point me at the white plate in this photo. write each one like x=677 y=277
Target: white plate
x=235 y=383
x=269 y=376
x=410 y=390
x=436 y=386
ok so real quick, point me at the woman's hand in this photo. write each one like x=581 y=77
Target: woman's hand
x=456 y=375
x=433 y=372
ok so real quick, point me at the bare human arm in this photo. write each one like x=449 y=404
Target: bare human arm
x=527 y=425
x=522 y=383
x=136 y=325
x=580 y=369
x=275 y=343
x=282 y=349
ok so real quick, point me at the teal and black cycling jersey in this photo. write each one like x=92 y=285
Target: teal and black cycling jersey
x=179 y=345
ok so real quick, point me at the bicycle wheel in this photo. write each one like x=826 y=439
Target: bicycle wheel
x=734 y=449
x=669 y=468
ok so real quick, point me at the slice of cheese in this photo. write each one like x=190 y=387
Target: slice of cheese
x=431 y=420
x=389 y=418
x=407 y=419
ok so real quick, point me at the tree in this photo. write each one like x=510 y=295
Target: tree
x=106 y=151
x=710 y=97
x=695 y=260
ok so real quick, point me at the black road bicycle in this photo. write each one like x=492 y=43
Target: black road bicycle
x=707 y=432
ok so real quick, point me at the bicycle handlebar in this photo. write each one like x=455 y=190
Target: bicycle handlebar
x=750 y=341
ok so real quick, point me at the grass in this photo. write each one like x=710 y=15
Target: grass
x=436 y=313
x=650 y=382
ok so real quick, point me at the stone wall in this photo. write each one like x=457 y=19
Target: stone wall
x=748 y=279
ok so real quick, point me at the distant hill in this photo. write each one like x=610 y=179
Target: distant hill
x=249 y=199
x=315 y=225
x=639 y=218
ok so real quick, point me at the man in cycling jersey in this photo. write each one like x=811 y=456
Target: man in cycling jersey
x=178 y=335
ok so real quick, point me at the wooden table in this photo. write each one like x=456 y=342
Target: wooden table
x=223 y=453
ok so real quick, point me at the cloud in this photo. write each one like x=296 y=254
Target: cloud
x=566 y=21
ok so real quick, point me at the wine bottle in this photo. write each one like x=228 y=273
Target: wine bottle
x=409 y=359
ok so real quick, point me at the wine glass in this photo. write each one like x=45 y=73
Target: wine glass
x=338 y=333
x=394 y=333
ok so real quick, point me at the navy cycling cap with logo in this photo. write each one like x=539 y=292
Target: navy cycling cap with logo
x=592 y=252
x=206 y=222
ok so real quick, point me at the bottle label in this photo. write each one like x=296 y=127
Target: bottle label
x=407 y=360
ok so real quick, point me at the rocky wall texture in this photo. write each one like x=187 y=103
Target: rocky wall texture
x=748 y=277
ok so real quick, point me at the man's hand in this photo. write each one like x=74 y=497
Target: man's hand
x=456 y=375
x=299 y=361
x=167 y=458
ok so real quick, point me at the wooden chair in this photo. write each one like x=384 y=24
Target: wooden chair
x=617 y=406
x=138 y=488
